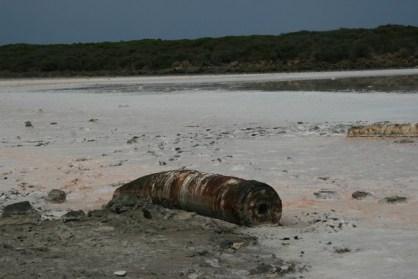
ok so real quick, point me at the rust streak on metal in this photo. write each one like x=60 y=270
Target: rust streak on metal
x=239 y=201
x=384 y=130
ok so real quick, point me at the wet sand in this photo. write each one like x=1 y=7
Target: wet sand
x=87 y=144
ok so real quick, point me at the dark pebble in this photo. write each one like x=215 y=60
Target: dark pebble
x=395 y=199
x=358 y=195
x=19 y=208
x=73 y=216
x=57 y=196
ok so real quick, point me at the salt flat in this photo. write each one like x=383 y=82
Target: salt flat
x=87 y=143
x=56 y=83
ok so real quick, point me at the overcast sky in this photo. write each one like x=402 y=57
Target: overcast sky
x=56 y=21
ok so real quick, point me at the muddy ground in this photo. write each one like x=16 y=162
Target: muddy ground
x=145 y=243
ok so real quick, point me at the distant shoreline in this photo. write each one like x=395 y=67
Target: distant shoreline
x=393 y=80
x=240 y=77
x=385 y=47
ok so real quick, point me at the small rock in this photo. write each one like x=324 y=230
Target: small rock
x=237 y=245
x=395 y=199
x=19 y=208
x=53 y=123
x=120 y=273
x=325 y=194
x=202 y=252
x=73 y=216
x=147 y=214
x=93 y=120
x=324 y=178
x=262 y=268
x=342 y=250
x=359 y=195
x=28 y=124
x=226 y=244
x=42 y=143
x=57 y=196
x=132 y=140
x=97 y=213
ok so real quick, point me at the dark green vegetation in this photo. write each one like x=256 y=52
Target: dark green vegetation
x=388 y=46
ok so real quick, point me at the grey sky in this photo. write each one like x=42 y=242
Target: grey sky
x=55 y=21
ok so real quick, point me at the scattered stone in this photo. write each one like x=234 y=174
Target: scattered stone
x=237 y=245
x=133 y=140
x=57 y=196
x=162 y=163
x=342 y=250
x=19 y=208
x=92 y=120
x=53 y=123
x=147 y=214
x=42 y=143
x=395 y=199
x=325 y=194
x=120 y=273
x=200 y=252
x=262 y=268
x=324 y=178
x=359 y=195
x=73 y=216
x=28 y=124
x=118 y=164
x=97 y=213
x=7 y=246
x=226 y=244
x=281 y=268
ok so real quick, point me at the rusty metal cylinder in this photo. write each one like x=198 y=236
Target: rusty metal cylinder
x=232 y=199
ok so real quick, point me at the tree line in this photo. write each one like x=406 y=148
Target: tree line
x=389 y=46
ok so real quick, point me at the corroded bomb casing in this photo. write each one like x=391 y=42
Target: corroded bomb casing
x=384 y=130
x=239 y=201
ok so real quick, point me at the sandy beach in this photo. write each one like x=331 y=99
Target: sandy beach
x=90 y=136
